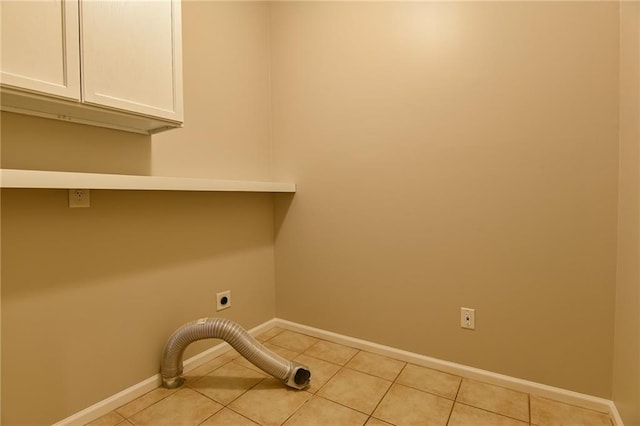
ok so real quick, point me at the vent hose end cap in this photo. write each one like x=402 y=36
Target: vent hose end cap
x=300 y=376
x=172 y=382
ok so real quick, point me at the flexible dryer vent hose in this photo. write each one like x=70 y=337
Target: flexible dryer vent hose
x=291 y=373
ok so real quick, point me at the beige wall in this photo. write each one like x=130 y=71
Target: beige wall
x=447 y=155
x=227 y=95
x=89 y=296
x=626 y=367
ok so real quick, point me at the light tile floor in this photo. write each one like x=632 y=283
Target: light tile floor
x=348 y=387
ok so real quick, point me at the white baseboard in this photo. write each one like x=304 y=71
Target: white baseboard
x=106 y=405
x=538 y=389
x=127 y=395
x=615 y=415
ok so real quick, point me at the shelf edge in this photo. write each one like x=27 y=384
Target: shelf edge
x=40 y=179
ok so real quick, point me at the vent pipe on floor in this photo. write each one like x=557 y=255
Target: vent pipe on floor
x=291 y=373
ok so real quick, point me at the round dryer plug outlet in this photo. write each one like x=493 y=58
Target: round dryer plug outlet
x=223 y=300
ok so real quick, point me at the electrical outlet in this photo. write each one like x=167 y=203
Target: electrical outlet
x=468 y=318
x=79 y=198
x=223 y=300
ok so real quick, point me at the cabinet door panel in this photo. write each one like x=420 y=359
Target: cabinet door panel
x=40 y=46
x=132 y=56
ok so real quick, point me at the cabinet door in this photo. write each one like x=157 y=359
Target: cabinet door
x=132 y=56
x=40 y=46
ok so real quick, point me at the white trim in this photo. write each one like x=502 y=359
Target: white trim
x=582 y=400
x=14 y=178
x=615 y=415
x=538 y=389
x=106 y=405
x=129 y=394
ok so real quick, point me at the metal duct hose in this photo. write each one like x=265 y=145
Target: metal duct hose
x=291 y=373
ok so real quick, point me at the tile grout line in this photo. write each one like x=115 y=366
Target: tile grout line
x=352 y=356
x=127 y=420
x=325 y=360
x=150 y=405
x=234 y=399
x=385 y=394
x=319 y=359
x=297 y=355
x=128 y=417
x=343 y=405
x=368 y=374
x=392 y=383
x=297 y=409
x=492 y=412
x=240 y=414
x=228 y=405
x=426 y=391
x=212 y=414
x=340 y=367
x=455 y=399
x=304 y=352
x=559 y=395
x=232 y=360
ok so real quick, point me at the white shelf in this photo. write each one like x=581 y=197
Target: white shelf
x=12 y=178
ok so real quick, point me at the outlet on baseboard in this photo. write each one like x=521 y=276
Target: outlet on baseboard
x=468 y=318
x=223 y=300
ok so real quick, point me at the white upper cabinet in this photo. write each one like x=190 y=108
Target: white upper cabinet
x=129 y=49
x=109 y=63
x=40 y=46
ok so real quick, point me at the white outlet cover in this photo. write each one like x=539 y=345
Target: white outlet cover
x=219 y=299
x=468 y=318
